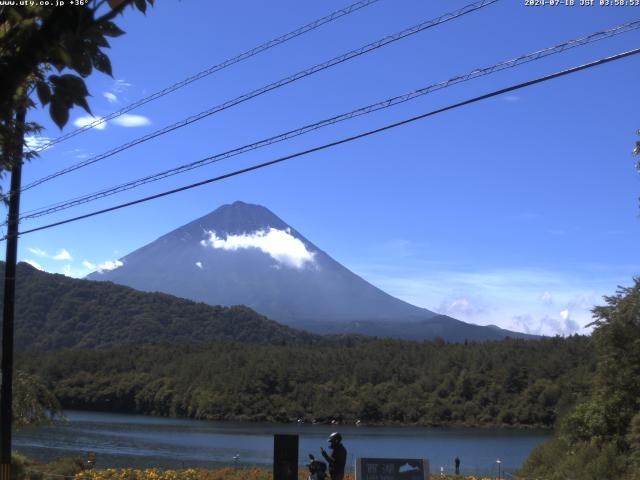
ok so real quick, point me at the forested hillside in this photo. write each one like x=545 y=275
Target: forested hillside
x=512 y=382
x=54 y=312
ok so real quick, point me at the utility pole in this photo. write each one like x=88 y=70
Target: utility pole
x=14 y=152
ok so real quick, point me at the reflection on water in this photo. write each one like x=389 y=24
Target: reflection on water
x=141 y=441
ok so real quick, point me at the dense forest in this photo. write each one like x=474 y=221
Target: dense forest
x=511 y=382
x=600 y=438
x=55 y=311
x=153 y=353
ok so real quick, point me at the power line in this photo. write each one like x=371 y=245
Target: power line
x=479 y=72
x=344 y=140
x=272 y=86
x=215 y=68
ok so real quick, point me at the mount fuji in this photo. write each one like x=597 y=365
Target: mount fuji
x=244 y=254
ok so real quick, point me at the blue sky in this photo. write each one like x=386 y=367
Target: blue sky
x=521 y=211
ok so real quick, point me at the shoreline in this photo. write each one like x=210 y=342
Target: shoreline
x=337 y=424
x=144 y=441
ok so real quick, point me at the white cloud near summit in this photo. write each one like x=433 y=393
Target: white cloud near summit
x=278 y=244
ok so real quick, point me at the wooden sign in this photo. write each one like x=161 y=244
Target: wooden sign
x=392 y=469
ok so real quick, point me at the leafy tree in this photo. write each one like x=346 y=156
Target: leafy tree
x=33 y=402
x=633 y=439
x=616 y=400
x=601 y=437
x=35 y=40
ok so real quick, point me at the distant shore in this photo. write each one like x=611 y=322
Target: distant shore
x=337 y=424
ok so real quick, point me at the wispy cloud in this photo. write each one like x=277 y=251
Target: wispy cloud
x=63 y=255
x=121 y=86
x=111 y=97
x=110 y=265
x=511 y=98
x=546 y=298
x=127 y=120
x=107 y=265
x=38 y=251
x=461 y=307
x=77 y=153
x=552 y=302
x=545 y=325
x=33 y=263
x=73 y=271
x=35 y=142
x=88 y=119
x=278 y=244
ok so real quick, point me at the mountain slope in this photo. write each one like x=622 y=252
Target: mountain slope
x=54 y=312
x=315 y=288
x=244 y=254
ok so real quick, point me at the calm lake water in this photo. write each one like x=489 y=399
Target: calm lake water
x=142 y=441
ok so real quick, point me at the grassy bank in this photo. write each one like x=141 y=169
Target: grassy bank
x=74 y=469
x=228 y=473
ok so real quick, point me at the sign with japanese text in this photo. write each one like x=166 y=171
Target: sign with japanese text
x=392 y=469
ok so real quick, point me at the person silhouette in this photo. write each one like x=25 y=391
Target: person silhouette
x=338 y=457
x=457 y=465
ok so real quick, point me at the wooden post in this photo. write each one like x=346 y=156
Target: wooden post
x=6 y=389
x=285 y=457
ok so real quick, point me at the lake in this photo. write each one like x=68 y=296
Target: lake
x=142 y=441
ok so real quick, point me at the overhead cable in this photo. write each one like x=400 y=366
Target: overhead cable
x=272 y=86
x=341 y=141
x=213 y=69
x=476 y=73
